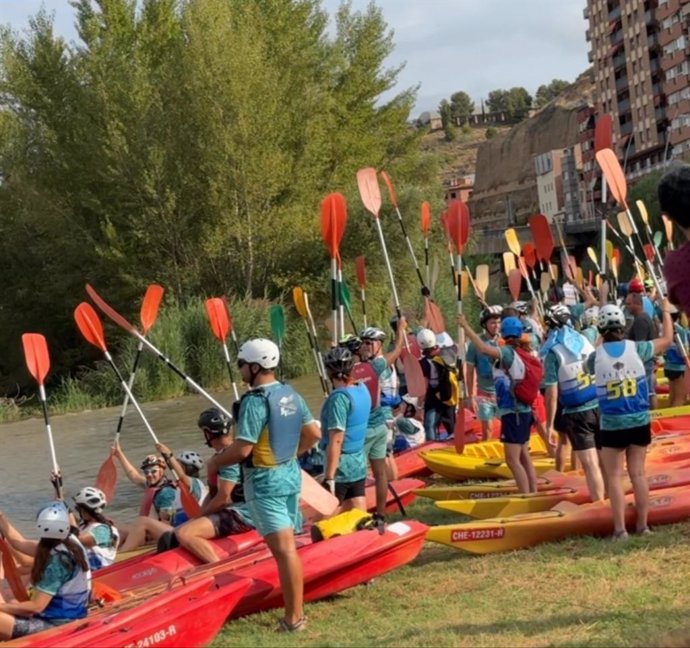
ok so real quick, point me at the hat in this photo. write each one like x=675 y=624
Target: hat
x=411 y=400
x=635 y=286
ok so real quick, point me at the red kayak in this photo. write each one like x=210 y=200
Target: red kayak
x=188 y=615
x=403 y=488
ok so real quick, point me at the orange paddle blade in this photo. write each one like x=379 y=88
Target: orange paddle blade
x=12 y=573
x=668 y=226
x=617 y=256
x=107 y=478
x=89 y=325
x=434 y=316
x=459 y=431
x=543 y=238
x=522 y=266
x=515 y=283
x=361 y=271
x=109 y=311
x=611 y=168
x=333 y=218
x=426 y=218
x=299 y=298
x=530 y=254
x=149 y=307
x=189 y=504
x=218 y=318
x=458 y=224
x=603 y=133
x=369 y=190
x=36 y=355
x=391 y=190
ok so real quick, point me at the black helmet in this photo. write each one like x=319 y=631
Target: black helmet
x=339 y=361
x=214 y=421
x=350 y=342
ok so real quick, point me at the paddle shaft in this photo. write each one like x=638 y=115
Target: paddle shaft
x=363 y=299
x=319 y=358
x=228 y=362
x=315 y=353
x=426 y=261
x=648 y=263
x=341 y=305
x=334 y=299
x=51 y=443
x=411 y=249
x=130 y=384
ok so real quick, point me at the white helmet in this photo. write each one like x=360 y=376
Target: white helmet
x=260 y=351
x=426 y=339
x=590 y=316
x=52 y=521
x=190 y=458
x=521 y=307
x=373 y=333
x=610 y=317
x=92 y=498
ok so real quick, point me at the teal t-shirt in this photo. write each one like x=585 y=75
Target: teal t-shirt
x=507 y=403
x=233 y=474
x=102 y=535
x=483 y=366
x=673 y=360
x=591 y=334
x=353 y=466
x=551 y=367
x=338 y=410
x=625 y=421
x=379 y=415
x=577 y=311
x=58 y=571
x=275 y=481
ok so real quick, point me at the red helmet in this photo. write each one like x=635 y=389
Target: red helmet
x=635 y=286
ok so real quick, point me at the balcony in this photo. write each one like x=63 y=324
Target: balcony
x=588 y=36
x=624 y=106
x=618 y=62
x=615 y=13
x=626 y=128
x=585 y=13
x=622 y=82
x=590 y=56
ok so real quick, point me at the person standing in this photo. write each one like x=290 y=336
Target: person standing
x=643 y=329
x=274 y=427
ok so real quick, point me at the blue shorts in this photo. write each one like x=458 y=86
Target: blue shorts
x=273 y=514
x=515 y=428
x=376 y=442
x=486 y=407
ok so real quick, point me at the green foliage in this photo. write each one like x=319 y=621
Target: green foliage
x=461 y=107
x=548 y=92
x=188 y=143
x=490 y=132
x=515 y=103
x=466 y=129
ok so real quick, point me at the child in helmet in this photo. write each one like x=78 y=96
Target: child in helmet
x=60 y=576
x=408 y=430
x=674 y=362
x=622 y=391
x=516 y=416
x=484 y=405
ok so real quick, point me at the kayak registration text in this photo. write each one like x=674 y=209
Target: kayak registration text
x=466 y=535
x=154 y=638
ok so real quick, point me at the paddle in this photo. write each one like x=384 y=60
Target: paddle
x=361 y=272
x=603 y=139
x=276 y=316
x=106 y=479
x=333 y=218
x=545 y=284
x=38 y=363
x=515 y=283
x=512 y=241
x=220 y=325
x=114 y=316
x=91 y=328
x=648 y=230
x=615 y=178
x=12 y=575
x=346 y=300
x=591 y=253
x=300 y=299
x=508 y=263
x=458 y=226
x=523 y=270
x=367 y=183
x=658 y=239
x=668 y=226
x=426 y=224
x=394 y=201
x=543 y=238
x=482 y=281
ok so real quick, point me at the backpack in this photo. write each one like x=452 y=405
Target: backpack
x=526 y=389
x=448 y=382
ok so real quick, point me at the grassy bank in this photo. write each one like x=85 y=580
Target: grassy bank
x=580 y=592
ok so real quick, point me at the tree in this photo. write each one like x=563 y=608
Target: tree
x=546 y=93
x=461 y=107
x=498 y=101
x=445 y=111
x=515 y=103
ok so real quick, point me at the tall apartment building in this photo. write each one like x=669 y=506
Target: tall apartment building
x=640 y=53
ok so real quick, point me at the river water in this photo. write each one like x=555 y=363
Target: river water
x=82 y=443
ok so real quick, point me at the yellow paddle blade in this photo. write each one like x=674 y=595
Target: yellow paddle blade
x=508 y=262
x=579 y=277
x=464 y=282
x=598 y=281
x=591 y=252
x=624 y=224
x=554 y=271
x=512 y=241
x=609 y=250
x=643 y=211
x=545 y=282
x=299 y=297
x=668 y=226
x=482 y=278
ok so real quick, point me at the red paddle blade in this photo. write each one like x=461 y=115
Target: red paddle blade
x=189 y=504
x=458 y=224
x=89 y=325
x=369 y=190
x=515 y=283
x=218 y=318
x=333 y=218
x=391 y=190
x=434 y=316
x=416 y=383
x=36 y=355
x=530 y=254
x=617 y=256
x=426 y=218
x=543 y=238
x=459 y=431
x=523 y=269
x=109 y=311
x=361 y=271
x=107 y=478
x=611 y=168
x=603 y=133
x=149 y=307
x=12 y=573
x=649 y=251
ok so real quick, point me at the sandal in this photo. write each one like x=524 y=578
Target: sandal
x=645 y=531
x=297 y=626
x=619 y=535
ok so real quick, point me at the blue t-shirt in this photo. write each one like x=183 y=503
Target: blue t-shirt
x=379 y=415
x=483 y=365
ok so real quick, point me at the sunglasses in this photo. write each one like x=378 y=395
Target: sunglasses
x=151 y=471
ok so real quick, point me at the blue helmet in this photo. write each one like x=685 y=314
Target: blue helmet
x=511 y=327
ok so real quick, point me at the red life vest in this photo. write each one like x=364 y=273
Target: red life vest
x=363 y=372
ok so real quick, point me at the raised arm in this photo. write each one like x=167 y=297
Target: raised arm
x=487 y=349
x=666 y=340
x=130 y=471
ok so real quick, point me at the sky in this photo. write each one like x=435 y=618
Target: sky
x=446 y=45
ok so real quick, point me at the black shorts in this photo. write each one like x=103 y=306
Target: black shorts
x=558 y=422
x=350 y=490
x=639 y=436
x=515 y=428
x=24 y=626
x=673 y=375
x=582 y=428
x=228 y=522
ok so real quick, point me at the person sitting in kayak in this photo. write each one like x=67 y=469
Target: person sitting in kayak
x=60 y=577
x=514 y=366
x=97 y=534
x=408 y=430
x=162 y=495
x=225 y=512
x=344 y=417
x=274 y=427
x=622 y=390
x=568 y=382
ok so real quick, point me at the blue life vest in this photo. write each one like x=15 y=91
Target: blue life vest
x=673 y=354
x=576 y=387
x=72 y=599
x=357 y=418
x=621 y=379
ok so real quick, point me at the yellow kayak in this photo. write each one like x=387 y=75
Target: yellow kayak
x=670 y=412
